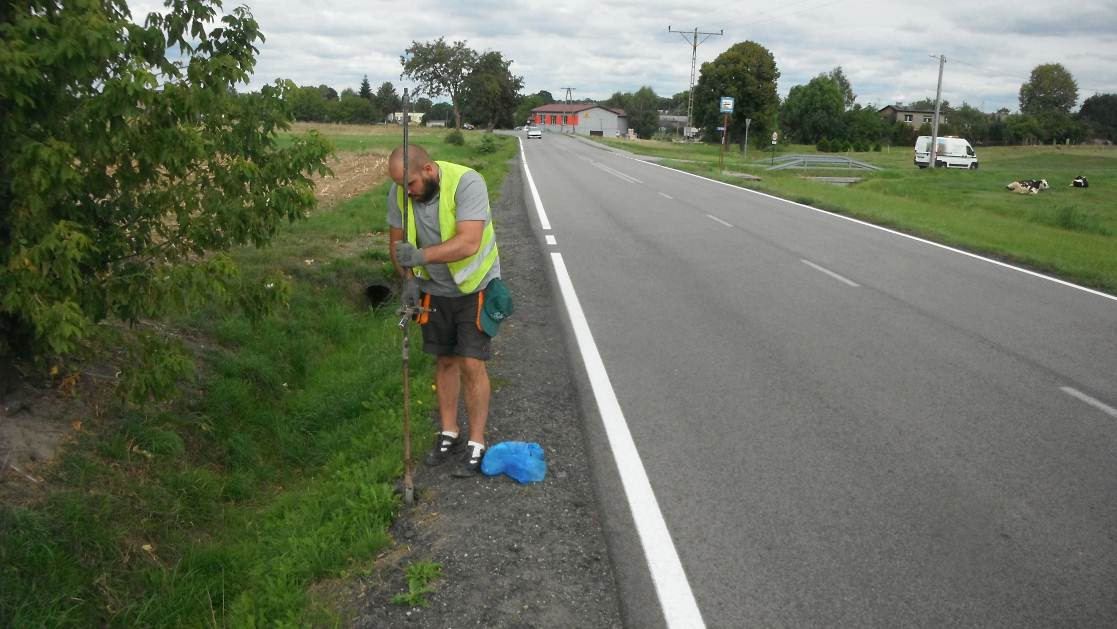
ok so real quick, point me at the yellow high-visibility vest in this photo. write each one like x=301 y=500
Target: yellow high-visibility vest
x=469 y=271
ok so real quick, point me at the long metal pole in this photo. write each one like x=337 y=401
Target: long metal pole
x=408 y=482
x=935 y=122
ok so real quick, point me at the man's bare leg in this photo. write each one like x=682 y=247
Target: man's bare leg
x=475 y=378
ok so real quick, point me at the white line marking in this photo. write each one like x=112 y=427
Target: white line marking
x=675 y=596
x=616 y=173
x=666 y=196
x=543 y=222
x=550 y=239
x=829 y=272
x=716 y=219
x=896 y=233
x=1098 y=404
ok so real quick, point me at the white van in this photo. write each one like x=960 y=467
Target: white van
x=951 y=153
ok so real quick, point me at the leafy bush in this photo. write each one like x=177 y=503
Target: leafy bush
x=455 y=137
x=126 y=172
x=823 y=145
x=488 y=144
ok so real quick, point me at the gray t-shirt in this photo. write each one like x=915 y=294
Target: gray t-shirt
x=471 y=203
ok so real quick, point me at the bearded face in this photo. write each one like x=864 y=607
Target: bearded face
x=430 y=189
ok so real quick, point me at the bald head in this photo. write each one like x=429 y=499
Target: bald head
x=417 y=158
x=422 y=172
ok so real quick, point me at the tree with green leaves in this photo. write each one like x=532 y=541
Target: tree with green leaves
x=747 y=72
x=439 y=69
x=1050 y=88
x=491 y=92
x=642 y=107
x=388 y=100
x=839 y=77
x=422 y=105
x=440 y=111
x=354 y=109
x=129 y=165
x=306 y=104
x=1099 y=114
x=366 y=90
x=813 y=111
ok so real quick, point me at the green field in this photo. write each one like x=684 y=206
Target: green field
x=277 y=469
x=1069 y=232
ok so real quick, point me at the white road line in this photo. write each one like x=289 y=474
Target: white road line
x=546 y=224
x=1098 y=404
x=616 y=173
x=716 y=219
x=550 y=239
x=896 y=233
x=675 y=596
x=829 y=272
x=666 y=196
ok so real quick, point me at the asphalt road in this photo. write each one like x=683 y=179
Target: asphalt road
x=842 y=426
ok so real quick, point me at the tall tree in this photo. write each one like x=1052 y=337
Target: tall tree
x=439 y=69
x=813 y=111
x=546 y=97
x=839 y=77
x=422 y=105
x=643 y=112
x=747 y=72
x=126 y=173
x=1051 y=88
x=387 y=100
x=1099 y=113
x=490 y=92
x=366 y=89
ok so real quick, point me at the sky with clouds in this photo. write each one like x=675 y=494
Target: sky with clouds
x=603 y=46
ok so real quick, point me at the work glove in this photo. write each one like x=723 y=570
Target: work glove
x=408 y=255
x=411 y=293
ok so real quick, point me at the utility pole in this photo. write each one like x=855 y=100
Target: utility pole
x=935 y=122
x=691 y=38
x=566 y=110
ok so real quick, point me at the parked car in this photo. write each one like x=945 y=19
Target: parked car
x=534 y=132
x=950 y=153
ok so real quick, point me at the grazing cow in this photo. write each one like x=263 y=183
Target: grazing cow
x=1028 y=186
x=1080 y=182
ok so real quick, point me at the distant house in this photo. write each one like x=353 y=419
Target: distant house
x=581 y=118
x=907 y=115
x=437 y=123
x=671 y=124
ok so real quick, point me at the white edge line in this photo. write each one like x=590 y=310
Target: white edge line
x=543 y=222
x=895 y=233
x=666 y=196
x=550 y=239
x=829 y=272
x=716 y=219
x=671 y=585
x=1098 y=404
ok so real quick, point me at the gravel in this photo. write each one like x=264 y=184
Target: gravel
x=511 y=555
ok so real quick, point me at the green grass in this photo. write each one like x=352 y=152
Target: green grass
x=278 y=470
x=1070 y=232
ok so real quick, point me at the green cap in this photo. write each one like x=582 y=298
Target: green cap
x=497 y=306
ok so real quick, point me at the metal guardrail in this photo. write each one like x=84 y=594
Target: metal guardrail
x=820 y=161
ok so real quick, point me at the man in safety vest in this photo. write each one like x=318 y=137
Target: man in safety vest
x=450 y=249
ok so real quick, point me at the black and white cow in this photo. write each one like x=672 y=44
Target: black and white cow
x=1080 y=182
x=1028 y=186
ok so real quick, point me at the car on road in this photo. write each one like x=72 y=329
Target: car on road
x=534 y=132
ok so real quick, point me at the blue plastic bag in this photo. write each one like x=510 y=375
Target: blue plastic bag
x=522 y=461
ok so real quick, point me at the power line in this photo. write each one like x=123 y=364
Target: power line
x=692 y=39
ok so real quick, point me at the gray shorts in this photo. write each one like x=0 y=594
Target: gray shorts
x=453 y=328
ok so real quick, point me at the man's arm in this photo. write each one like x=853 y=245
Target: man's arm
x=463 y=244
x=395 y=234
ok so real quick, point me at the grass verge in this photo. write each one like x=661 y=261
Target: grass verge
x=1070 y=232
x=276 y=469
